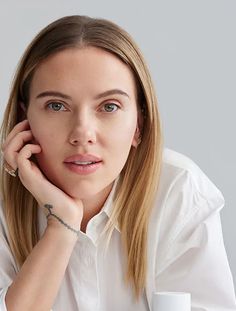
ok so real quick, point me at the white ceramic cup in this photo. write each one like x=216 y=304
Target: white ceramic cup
x=171 y=301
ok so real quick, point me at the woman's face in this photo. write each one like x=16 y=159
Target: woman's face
x=69 y=115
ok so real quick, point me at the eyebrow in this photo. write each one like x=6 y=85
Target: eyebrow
x=64 y=96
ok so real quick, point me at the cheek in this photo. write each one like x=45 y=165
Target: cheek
x=123 y=138
x=41 y=135
x=125 y=132
x=50 y=144
x=44 y=136
x=120 y=143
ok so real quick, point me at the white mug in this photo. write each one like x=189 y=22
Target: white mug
x=171 y=301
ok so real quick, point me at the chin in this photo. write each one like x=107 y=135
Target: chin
x=80 y=191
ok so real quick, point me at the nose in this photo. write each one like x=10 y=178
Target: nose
x=83 y=132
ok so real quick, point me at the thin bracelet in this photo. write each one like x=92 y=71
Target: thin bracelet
x=49 y=207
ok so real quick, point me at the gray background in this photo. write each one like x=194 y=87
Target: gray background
x=190 y=48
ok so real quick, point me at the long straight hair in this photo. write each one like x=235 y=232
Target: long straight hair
x=139 y=178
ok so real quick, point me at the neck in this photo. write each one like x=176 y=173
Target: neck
x=93 y=206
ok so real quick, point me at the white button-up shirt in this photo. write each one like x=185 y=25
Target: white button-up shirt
x=186 y=250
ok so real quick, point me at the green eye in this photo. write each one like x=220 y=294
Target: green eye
x=110 y=107
x=56 y=106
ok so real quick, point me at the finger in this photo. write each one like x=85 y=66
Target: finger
x=14 y=146
x=17 y=128
x=25 y=154
x=28 y=171
x=22 y=160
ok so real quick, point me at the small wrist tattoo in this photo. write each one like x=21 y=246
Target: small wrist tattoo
x=49 y=207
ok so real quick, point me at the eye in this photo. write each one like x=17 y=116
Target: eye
x=55 y=106
x=109 y=107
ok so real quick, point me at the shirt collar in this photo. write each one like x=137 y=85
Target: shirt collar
x=107 y=209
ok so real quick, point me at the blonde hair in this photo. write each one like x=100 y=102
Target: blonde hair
x=139 y=179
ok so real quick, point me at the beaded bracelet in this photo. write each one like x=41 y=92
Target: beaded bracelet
x=49 y=207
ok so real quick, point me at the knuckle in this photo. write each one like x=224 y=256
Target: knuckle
x=25 y=151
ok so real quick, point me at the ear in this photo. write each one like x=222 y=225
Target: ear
x=23 y=107
x=139 y=129
x=22 y=111
x=136 y=138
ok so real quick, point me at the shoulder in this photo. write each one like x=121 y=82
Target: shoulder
x=186 y=197
x=2 y=218
x=181 y=172
x=8 y=264
x=3 y=226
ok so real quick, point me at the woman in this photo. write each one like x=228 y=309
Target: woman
x=96 y=214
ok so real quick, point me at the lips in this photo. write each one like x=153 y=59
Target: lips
x=84 y=169
x=83 y=157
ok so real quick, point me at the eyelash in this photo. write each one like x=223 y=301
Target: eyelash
x=110 y=103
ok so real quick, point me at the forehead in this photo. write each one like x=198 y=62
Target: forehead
x=83 y=70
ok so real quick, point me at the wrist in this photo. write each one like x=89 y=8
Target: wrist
x=60 y=230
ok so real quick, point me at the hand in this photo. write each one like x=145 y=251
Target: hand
x=17 y=152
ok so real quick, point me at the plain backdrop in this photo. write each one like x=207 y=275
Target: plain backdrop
x=190 y=49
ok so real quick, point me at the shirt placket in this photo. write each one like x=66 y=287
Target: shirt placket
x=88 y=293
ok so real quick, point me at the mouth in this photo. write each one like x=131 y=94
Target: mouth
x=84 y=163
x=83 y=168
x=83 y=159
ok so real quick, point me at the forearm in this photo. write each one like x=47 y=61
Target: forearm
x=37 y=283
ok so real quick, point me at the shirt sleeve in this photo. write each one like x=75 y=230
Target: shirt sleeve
x=3 y=292
x=195 y=258
x=8 y=267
